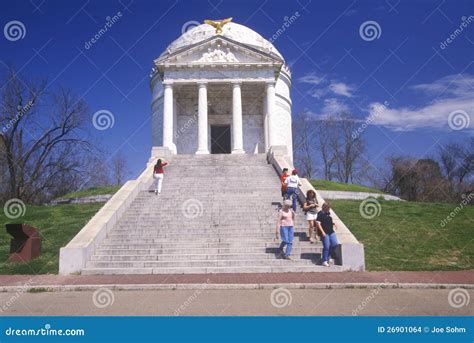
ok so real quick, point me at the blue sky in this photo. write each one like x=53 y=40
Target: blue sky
x=408 y=64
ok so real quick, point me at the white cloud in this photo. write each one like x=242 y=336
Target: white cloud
x=341 y=88
x=451 y=85
x=326 y=86
x=334 y=107
x=312 y=79
x=449 y=94
x=319 y=92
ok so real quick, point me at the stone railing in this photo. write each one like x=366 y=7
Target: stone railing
x=350 y=252
x=74 y=256
x=82 y=200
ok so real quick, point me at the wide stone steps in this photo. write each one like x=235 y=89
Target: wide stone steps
x=187 y=236
x=179 y=252
x=163 y=240
x=220 y=229
x=191 y=257
x=205 y=244
x=290 y=268
x=230 y=229
x=198 y=263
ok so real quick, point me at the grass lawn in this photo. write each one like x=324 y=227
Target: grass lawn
x=337 y=186
x=406 y=235
x=57 y=224
x=92 y=191
x=409 y=235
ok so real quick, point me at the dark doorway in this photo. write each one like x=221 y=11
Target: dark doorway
x=220 y=139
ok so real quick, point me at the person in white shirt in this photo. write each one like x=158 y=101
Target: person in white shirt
x=292 y=183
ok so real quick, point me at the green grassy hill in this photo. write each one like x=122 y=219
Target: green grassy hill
x=92 y=191
x=411 y=236
x=338 y=186
x=57 y=224
x=405 y=236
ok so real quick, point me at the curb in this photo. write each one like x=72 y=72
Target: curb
x=205 y=286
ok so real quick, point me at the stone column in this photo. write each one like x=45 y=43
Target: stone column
x=202 y=119
x=270 y=106
x=237 y=133
x=265 y=123
x=168 y=116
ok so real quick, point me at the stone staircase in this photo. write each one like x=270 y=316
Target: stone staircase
x=216 y=214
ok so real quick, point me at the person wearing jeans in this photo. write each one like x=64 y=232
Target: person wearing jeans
x=326 y=232
x=292 y=183
x=285 y=224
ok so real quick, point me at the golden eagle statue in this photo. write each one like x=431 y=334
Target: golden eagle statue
x=218 y=24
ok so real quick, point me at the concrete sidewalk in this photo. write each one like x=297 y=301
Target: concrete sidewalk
x=276 y=302
x=445 y=279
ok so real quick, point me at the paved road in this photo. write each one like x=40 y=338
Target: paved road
x=240 y=302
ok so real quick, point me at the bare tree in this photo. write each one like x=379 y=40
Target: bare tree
x=347 y=149
x=466 y=157
x=326 y=130
x=342 y=152
x=42 y=137
x=457 y=161
x=447 y=156
x=331 y=137
x=119 y=168
x=418 y=180
x=304 y=144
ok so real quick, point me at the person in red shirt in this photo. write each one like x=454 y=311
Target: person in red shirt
x=283 y=177
x=158 y=173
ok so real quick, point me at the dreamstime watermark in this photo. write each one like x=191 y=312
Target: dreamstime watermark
x=110 y=21
x=192 y=208
x=21 y=112
x=14 y=30
x=459 y=120
x=377 y=110
x=464 y=202
x=370 y=30
x=189 y=123
x=281 y=297
x=103 y=120
x=370 y=208
x=191 y=299
x=22 y=290
x=103 y=297
x=14 y=208
x=459 y=297
x=47 y=330
x=369 y=298
x=189 y=25
x=287 y=22
x=465 y=22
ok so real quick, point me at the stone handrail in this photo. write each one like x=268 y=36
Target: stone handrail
x=351 y=251
x=74 y=256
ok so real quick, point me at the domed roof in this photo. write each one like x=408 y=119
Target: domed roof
x=236 y=32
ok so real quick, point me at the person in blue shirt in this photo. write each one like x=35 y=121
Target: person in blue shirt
x=326 y=232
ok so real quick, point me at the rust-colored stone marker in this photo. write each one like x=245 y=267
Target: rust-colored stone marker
x=25 y=244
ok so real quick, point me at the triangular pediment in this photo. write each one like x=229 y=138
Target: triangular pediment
x=219 y=50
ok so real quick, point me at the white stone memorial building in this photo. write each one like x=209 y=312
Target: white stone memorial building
x=221 y=117
x=221 y=92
